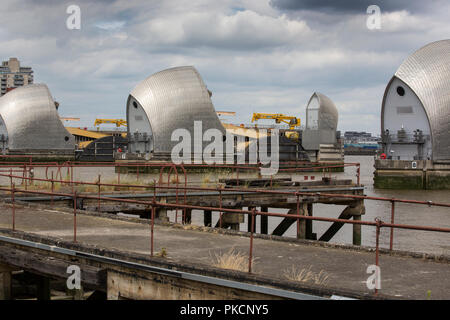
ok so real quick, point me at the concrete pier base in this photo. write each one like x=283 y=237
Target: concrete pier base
x=5 y=282
x=414 y=174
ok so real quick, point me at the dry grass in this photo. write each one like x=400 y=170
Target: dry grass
x=307 y=275
x=232 y=259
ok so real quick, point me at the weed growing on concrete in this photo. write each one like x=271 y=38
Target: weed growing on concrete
x=232 y=259
x=306 y=275
x=162 y=253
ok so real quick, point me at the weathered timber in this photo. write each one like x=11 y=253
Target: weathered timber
x=49 y=266
x=350 y=211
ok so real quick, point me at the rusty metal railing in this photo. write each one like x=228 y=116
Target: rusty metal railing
x=378 y=224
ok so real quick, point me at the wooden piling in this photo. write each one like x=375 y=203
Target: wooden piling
x=264 y=221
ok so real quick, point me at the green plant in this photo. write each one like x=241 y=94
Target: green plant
x=162 y=253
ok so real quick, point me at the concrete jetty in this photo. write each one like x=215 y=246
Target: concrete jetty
x=403 y=275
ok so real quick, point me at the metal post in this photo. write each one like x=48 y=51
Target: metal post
x=391 y=241
x=52 y=190
x=13 y=208
x=75 y=216
x=99 y=187
x=220 y=212
x=152 y=227
x=24 y=175
x=250 y=256
x=10 y=179
x=298 y=213
x=377 y=249
x=264 y=221
x=358 y=174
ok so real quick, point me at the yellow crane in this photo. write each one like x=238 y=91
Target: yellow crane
x=117 y=122
x=279 y=118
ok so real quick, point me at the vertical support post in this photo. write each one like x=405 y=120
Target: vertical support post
x=220 y=212
x=43 y=288
x=358 y=174
x=13 y=208
x=10 y=179
x=71 y=175
x=309 y=223
x=249 y=222
x=356 y=231
x=75 y=217
x=152 y=227
x=237 y=176
x=302 y=222
x=52 y=190
x=264 y=221
x=298 y=213
x=391 y=240
x=118 y=176
x=207 y=218
x=250 y=256
x=99 y=186
x=5 y=282
x=25 y=176
x=377 y=249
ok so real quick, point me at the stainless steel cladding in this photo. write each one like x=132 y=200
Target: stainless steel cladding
x=321 y=122
x=168 y=100
x=29 y=118
x=427 y=73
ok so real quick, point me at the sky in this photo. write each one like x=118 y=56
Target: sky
x=254 y=55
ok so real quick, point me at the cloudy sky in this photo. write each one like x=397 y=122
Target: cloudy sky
x=254 y=55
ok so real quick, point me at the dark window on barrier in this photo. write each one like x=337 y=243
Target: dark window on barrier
x=400 y=91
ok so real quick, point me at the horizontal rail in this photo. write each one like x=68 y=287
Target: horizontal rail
x=246 y=190
x=227 y=210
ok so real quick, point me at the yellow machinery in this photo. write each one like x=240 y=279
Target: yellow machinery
x=117 y=122
x=281 y=118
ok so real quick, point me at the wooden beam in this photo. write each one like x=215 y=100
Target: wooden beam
x=45 y=265
x=352 y=210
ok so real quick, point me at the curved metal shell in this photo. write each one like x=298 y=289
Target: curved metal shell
x=32 y=122
x=321 y=122
x=172 y=99
x=328 y=113
x=427 y=73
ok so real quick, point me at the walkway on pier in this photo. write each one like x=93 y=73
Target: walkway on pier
x=402 y=276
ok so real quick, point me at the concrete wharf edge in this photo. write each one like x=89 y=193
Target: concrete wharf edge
x=437 y=265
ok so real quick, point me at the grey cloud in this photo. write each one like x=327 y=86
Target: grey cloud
x=355 y=6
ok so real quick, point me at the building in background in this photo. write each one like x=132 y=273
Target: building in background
x=12 y=75
x=415 y=122
x=360 y=143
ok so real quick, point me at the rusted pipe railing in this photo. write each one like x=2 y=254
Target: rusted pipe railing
x=252 y=230
x=13 y=207
x=252 y=214
x=74 y=216
x=152 y=230
x=391 y=240
x=379 y=223
x=247 y=190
